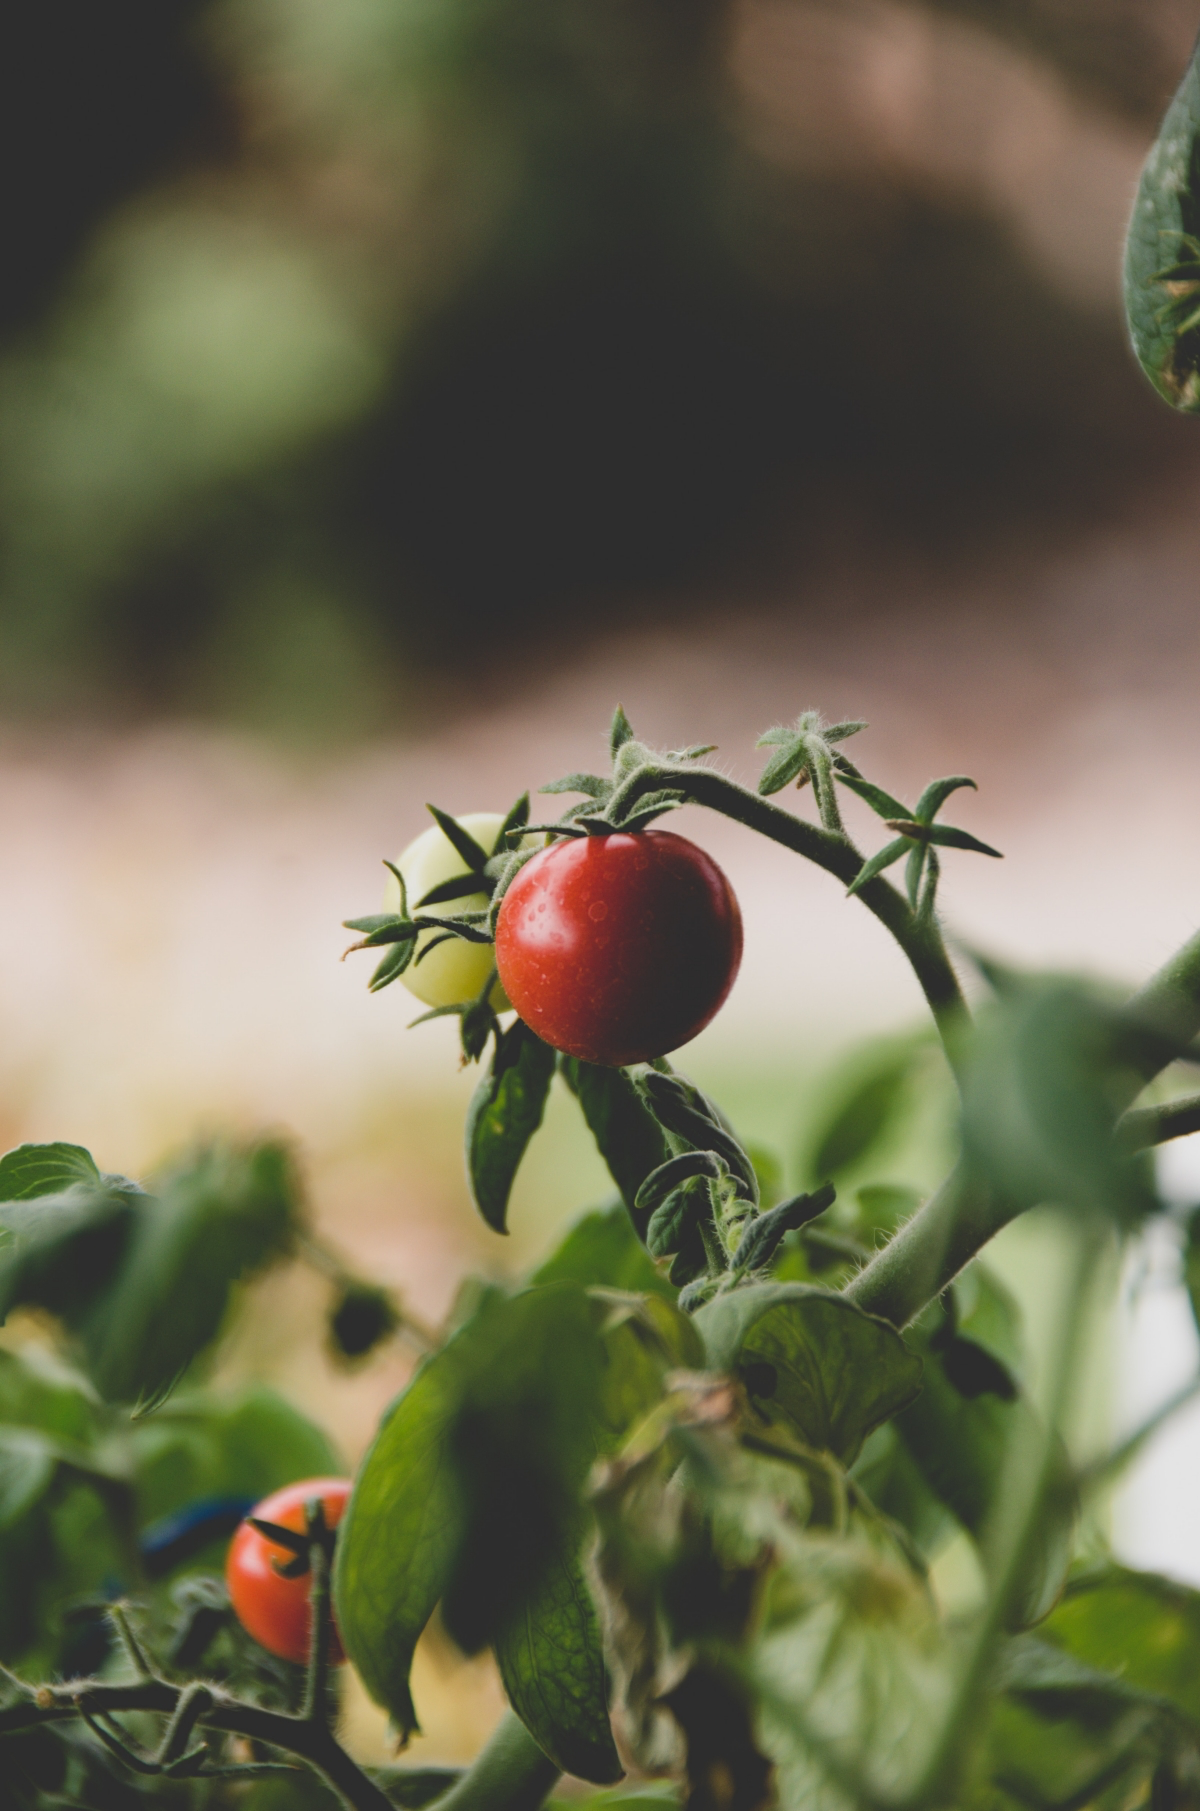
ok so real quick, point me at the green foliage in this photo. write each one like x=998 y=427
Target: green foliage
x=1051 y=1065
x=505 y=1112
x=603 y=1249
x=1162 y=254
x=142 y=1282
x=627 y=1136
x=811 y=1361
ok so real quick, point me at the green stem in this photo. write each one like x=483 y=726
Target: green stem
x=1170 y=999
x=920 y=939
x=925 y=1256
x=510 y=1774
x=1018 y=1505
x=312 y=1742
x=1142 y=1127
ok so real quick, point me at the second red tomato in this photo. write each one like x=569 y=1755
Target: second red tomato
x=619 y=948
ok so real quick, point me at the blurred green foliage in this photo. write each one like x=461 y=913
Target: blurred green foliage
x=339 y=339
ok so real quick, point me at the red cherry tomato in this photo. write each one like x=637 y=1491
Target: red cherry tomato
x=619 y=948
x=272 y=1609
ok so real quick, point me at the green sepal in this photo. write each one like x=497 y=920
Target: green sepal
x=460 y=886
x=516 y=819
x=914 y=868
x=469 y=927
x=427 y=948
x=881 y=802
x=936 y=794
x=475 y=857
x=944 y=835
x=505 y=1112
x=393 y=965
x=1166 y=222
x=590 y=783
x=883 y=858
x=602 y=1249
x=387 y=927
x=783 y=768
x=619 y=733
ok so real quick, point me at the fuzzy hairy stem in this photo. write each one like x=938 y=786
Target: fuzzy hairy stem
x=309 y=1741
x=945 y=1233
x=919 y=938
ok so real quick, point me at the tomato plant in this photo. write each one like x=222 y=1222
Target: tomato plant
x=269 y=1582
x=691 y=1481
x=619 y=948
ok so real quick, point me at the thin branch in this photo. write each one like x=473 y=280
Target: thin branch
x=1141 y=1127
x=920 y=939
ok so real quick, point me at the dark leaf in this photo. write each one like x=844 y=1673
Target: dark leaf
x=1050 y=1066
x=627 y=1135
x=552 y=1664
x=65 y=1248
x=961 y=1438
x=837 y=1373
x=1165 y=223
x=475 y=857
x=664 y=1180
x=505 y=1112
x=675 y=1226
x=472 y=1492
x=760 y=1241
x=857 y=1122
x=221 y=1216
x=683 y=1110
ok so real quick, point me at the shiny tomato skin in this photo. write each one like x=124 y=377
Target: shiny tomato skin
x=619 y=948
x=272 y=1609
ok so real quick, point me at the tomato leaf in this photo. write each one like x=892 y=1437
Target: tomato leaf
x=627 y=1135
x=221 y=1215
x=812 y=1361
x=681 y=1109
x=1049 y=1067
x=959 y=1432
x=1161 y=267
x=667 y=1178
x=589 y=783
x=505 y=1112
x=863 y=1109
x=471 y=1491
x=552 y=1664
x=602 y=1248
x=44 y=1169
x=760 y=1240
x=1141 y=1627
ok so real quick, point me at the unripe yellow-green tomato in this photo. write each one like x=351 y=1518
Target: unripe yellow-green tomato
x=454 y=971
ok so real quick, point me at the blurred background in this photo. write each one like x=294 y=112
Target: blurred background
x=388 y=387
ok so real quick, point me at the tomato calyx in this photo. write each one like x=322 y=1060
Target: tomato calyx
x=317 y=1534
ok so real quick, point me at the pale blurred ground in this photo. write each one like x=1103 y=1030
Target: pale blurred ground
x=169 y=927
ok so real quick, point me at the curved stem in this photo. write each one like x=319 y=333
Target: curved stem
x=925 y=1256
x=510 y=1774
x=312 y=1742
x=919 y=938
